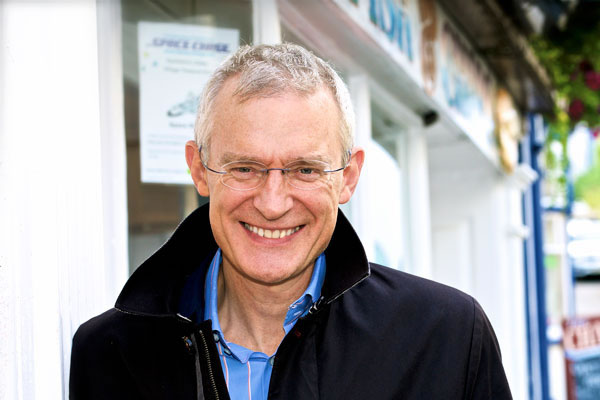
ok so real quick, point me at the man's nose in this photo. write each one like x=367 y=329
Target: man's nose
x=273 y=198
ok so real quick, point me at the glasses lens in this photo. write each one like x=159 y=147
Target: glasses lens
x=244 y=175
x=307 y=174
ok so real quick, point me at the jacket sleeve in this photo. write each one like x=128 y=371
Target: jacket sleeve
x=486 y=378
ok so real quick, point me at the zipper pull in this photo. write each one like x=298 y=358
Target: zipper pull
x=316 y=306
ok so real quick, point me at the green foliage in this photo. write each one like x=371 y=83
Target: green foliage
x=572 y=60
x=587 y=186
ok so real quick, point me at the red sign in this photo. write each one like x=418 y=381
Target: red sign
x=581 y=333
x=581 y=341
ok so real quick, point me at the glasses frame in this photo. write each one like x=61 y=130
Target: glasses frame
x=266 y=172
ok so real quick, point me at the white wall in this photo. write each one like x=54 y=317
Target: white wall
x=62 y=205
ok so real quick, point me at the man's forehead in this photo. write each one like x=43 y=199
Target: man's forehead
x=255 y=130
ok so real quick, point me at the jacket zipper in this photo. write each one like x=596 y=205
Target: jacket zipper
x=211 y=375
x=199 y=386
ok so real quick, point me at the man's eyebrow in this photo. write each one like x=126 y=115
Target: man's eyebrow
x=228 y=157
x=311 y=157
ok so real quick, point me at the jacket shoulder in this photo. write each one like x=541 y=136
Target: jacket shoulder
x=421 y=330
x=94 y=332
x=404 y=306
x=393 y=288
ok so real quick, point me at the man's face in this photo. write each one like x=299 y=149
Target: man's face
x=275 y=131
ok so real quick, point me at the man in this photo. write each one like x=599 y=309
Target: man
x=266 y=292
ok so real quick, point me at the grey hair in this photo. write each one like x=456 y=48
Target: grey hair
x=268 y=70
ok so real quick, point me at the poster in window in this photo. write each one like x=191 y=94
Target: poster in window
x=175 y=62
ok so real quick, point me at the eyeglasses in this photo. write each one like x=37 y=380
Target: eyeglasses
x=302 y=174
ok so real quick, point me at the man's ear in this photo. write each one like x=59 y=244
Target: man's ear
x=351 y=174
x=192 y=156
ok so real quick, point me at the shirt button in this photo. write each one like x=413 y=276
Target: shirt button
x=272 y=361
x=216 y=336
x=226 y=351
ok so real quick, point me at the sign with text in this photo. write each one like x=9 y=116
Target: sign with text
x=392 y=24
x=467 y=87
x=175 y=62
x=393 y=19
x=581 y=341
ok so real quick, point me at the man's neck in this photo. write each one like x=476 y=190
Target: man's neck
x=252 y=314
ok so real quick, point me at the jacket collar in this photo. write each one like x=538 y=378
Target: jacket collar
x=156 y=287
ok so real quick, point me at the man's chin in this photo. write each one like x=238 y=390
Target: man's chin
x=273 y=274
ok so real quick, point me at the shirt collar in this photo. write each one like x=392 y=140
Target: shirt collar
x=211 y=291
x=312 y=293
x=296 y=310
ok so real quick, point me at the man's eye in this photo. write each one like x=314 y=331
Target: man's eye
x=242 y=170
x=307 y=172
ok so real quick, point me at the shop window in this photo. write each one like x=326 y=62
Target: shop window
x=159 y=199
x=385 y=130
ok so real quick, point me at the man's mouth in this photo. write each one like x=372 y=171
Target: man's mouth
x=271 y=233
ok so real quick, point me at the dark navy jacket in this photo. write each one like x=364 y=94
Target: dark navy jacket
x=375 y=334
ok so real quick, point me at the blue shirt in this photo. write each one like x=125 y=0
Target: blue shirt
x=248 y=373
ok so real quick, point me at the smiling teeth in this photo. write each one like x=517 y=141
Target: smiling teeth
x=276 y=234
